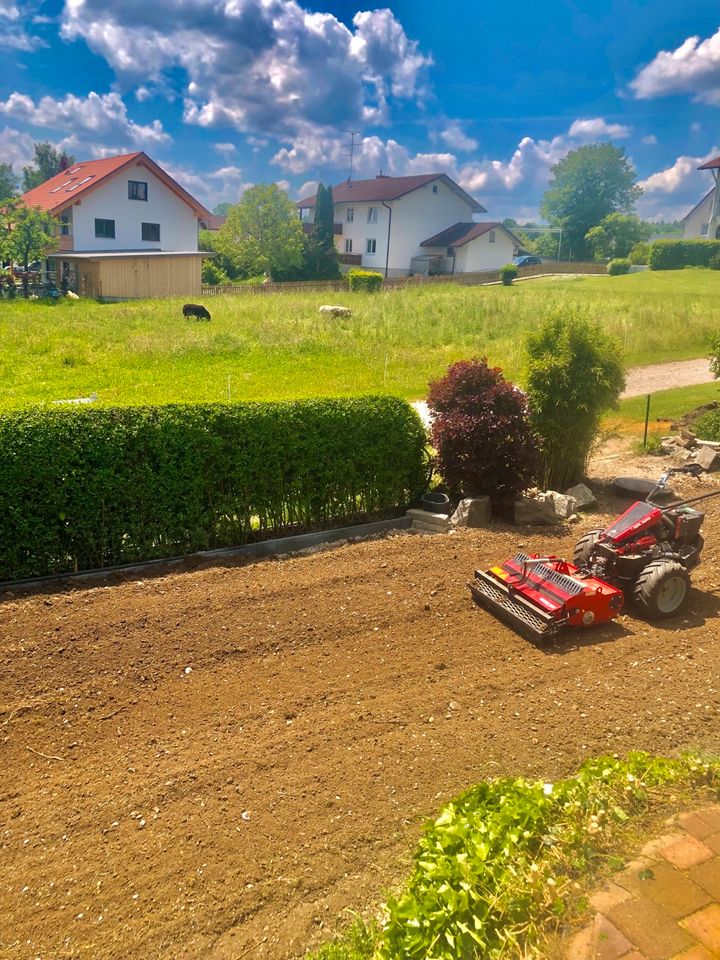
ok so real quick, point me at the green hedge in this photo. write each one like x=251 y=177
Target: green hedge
x=367 y=280
x=676 y=254
x=89 y=488
x=618 y=267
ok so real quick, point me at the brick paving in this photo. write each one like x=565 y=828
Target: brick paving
x=665 y=904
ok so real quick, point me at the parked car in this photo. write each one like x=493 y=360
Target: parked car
x=527 y=260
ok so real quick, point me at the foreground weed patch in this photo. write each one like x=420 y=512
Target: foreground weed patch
x=502 y=862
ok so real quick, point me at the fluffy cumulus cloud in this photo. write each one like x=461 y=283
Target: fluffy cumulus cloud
x=671 y=192
x=95 y=115
x=254 y=64
x=456 y=139
x=692 y=68
x=16 y=148
x=213 y=187
x=597 y=127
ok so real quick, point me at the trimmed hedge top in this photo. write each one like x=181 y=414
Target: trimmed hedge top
x=676 y=254
x=90 y=488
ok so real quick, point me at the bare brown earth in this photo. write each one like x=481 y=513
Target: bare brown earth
x=332 y=701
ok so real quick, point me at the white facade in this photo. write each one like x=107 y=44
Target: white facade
x=408 y=220
x=163 y=209
x=490 y=251
x=696 y=223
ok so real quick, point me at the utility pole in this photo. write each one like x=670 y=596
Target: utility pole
x=353 y=134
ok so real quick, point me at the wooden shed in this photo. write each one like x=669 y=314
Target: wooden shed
x=132 y=275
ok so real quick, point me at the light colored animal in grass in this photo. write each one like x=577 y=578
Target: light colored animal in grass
x=334 y=311
x=91 y=399
x=72 y=296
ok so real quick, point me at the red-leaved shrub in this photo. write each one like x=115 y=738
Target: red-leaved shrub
x=481 y=432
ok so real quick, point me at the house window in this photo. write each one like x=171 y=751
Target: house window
x=370 y=246
x=137 y=190
x=304 y=213
x=151 y=231
x=491 y=237
x=350 y=214
x=105 y=229
x=704 y=229
x=348 y=245
x=435 y=188
x=65 y=225
x=372 y=215
x=450 y=252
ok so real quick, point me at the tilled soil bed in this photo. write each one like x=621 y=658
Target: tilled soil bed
x=216 y=763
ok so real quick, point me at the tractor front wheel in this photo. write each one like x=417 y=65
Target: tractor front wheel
x=661 y=589
x=584 y=548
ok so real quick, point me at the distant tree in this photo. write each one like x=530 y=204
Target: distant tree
x=616 y=235
x=546 y=245
x=26 y=234
x=320 y=255
x=222 y=209
x=510 y=223
x=8 y=181
x=262 y=234
x=588 y=184
x=47 y=162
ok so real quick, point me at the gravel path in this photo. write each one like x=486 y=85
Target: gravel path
x=641 y=380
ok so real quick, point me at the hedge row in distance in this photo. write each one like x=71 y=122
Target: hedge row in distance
x=676 y=254
x=90 y=488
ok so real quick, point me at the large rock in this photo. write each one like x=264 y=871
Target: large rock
x=563 y=505
x=472 y=512
x=333 y=310
x=535 y=511
x=583 y=496
x=707 y=458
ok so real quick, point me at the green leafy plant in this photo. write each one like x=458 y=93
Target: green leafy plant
x=508 y=273
x=573 y=372
x=367 y=280
x=714 y=262
x=618 y=267
x=502 y=859
x=676 y=254
x=481 y=432
x=639 y=253
x=88 y=488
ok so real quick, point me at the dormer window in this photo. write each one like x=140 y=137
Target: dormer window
x=137 y=190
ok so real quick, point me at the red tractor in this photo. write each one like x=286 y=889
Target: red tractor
x=644 y=556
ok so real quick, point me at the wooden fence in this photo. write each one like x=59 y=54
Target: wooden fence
x=399 y=283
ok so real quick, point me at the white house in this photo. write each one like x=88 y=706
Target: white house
x=125 y=228
x=703 y=221
x=385 y=223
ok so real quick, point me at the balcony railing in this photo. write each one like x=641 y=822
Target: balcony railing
x=350 y=259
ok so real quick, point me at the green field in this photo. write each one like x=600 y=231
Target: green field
x=277 y=346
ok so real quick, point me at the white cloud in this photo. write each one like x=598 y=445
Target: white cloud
x=227 y=148
x=675 y=177
x=692 y=68
x=695 y=127
x=597 y=127
x=213 y=187
x=283 y=185
x=262 y=66
x=16 y=148
x=13 y=36
x=308 y=189
x=650 y=140
x=456 y=138
x=97 y=115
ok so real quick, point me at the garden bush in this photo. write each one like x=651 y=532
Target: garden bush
x=89 y=488
x=618 y=267
x=676 y=254
x=714 y=262
x=573 y=372
x=508 y=273
x=640 y=253
x=481 y=432
x=367 y=280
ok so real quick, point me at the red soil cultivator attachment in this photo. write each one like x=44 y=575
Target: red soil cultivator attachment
x=644 y=556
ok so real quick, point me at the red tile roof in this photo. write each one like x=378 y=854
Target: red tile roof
x=62 y=190
x=389 y=188
x=213 y=222
x=710 y=164
x=461 y=233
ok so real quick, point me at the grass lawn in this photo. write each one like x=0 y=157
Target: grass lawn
x=272 y=347
x=666 y=406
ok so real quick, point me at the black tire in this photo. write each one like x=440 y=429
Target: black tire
x=662 y=589
x=584 y=546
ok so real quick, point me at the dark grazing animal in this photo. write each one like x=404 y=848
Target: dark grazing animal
x=196 y=310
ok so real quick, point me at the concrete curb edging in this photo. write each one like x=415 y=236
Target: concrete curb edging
x=254 y=551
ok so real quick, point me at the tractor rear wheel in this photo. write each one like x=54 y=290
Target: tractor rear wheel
x=661 y=589
x=584 y=547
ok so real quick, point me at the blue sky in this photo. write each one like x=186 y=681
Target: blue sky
x=226 y=94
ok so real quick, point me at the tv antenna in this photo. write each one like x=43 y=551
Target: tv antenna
x=353 y=134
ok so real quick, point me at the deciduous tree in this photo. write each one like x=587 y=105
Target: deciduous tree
x=8 y=181
x=47 y=162
x=616 y=235
x=588 y=184
x=26 y=234
x=262 y=234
